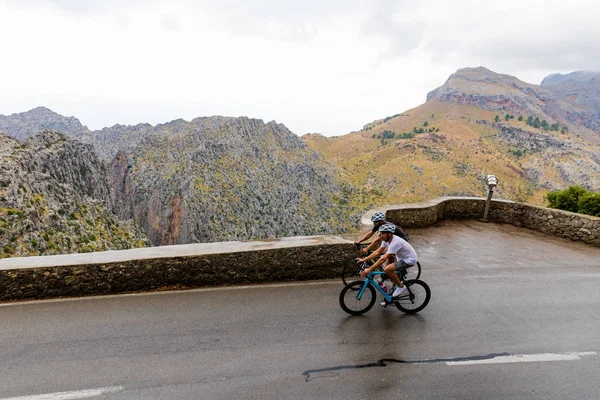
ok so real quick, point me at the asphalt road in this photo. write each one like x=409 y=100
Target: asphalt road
x=514 y=314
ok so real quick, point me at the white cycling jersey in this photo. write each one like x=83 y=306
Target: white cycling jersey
x=401 y=249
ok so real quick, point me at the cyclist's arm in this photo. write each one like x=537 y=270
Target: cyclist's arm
x=381 y=260
x=367 y=235
x=373 y=244
x=372 y=255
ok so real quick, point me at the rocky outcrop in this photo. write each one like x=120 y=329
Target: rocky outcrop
x=55 y=198
x=218 y=178
x=209 y=179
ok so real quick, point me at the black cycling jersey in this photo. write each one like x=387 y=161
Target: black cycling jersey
x=398 y=232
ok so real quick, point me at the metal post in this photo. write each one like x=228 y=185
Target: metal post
x=487 y=205
x=492 y=182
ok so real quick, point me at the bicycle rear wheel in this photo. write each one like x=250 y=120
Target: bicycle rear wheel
x=351 y=271
x=415 y=297
x=351 y=304
x=413 y=272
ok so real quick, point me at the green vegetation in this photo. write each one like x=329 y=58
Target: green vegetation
x=388 y=134
x=543 y=124
x=518 y=152
x=575 y=199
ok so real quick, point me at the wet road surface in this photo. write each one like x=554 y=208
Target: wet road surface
x=514 y=314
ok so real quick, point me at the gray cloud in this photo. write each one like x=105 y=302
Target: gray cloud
x=286 y=20
x=389 y=52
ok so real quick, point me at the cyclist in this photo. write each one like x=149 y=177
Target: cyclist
x=399 y=255
x=378 y=220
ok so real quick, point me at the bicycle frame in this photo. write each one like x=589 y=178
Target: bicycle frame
x=388 y=297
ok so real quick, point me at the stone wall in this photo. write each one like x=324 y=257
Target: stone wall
x=577 y=227
x=287 y=259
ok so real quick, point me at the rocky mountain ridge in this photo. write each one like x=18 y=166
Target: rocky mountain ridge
x=214 y=178
x=220 y=178
x=55 y=199
x=23 y=125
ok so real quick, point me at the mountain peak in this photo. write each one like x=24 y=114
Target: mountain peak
x=484 y=88
x=576 y=76
x=28 y=123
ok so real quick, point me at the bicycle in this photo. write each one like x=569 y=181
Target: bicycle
x=352 y=269
x=358 y=297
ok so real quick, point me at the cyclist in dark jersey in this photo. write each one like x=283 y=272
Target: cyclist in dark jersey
x=378 y=220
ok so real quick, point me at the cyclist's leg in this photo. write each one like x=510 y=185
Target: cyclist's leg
x=389 y=271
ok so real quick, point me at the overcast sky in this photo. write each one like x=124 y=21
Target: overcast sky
x=316 y=66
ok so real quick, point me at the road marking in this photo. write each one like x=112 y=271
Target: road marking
x=518 y=358
x=493 y=358
x=78 y=394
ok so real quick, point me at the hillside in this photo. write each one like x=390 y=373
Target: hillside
x=54 y=199
x=218 y=178
x=212 y=178
x=466 y=129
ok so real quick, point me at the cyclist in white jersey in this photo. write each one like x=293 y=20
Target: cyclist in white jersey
x=400 y=254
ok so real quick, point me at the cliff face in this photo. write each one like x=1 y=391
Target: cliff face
x=55 y=198
x=215 y=179
x=206 y=180
x=581 y=89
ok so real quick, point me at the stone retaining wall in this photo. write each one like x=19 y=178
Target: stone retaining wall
x=577 y=227
x=287 y=259
x=237 y=263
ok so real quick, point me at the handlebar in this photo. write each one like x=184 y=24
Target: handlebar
x=360 y=246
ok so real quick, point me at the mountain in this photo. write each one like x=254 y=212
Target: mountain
x=23 y=125
x=55 y=199
x=566 y=99
x=219 y=178
x=582 y=89
x=479 y=122
x=211 y=179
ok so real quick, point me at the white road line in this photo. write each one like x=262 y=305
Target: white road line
x=517 y=358
x=78 y=394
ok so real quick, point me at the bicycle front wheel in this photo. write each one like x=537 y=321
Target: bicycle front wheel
x=415 y=297
x=351 y=303
x=351 y=271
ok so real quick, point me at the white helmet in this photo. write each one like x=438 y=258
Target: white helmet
x=378 y=216
x=387 y=228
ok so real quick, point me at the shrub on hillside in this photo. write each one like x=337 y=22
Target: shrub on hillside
x=589 y=204
x=575 y=199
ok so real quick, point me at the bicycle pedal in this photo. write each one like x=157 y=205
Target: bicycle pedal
x=384 y=304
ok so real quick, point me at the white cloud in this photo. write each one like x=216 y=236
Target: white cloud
x=326 y=67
